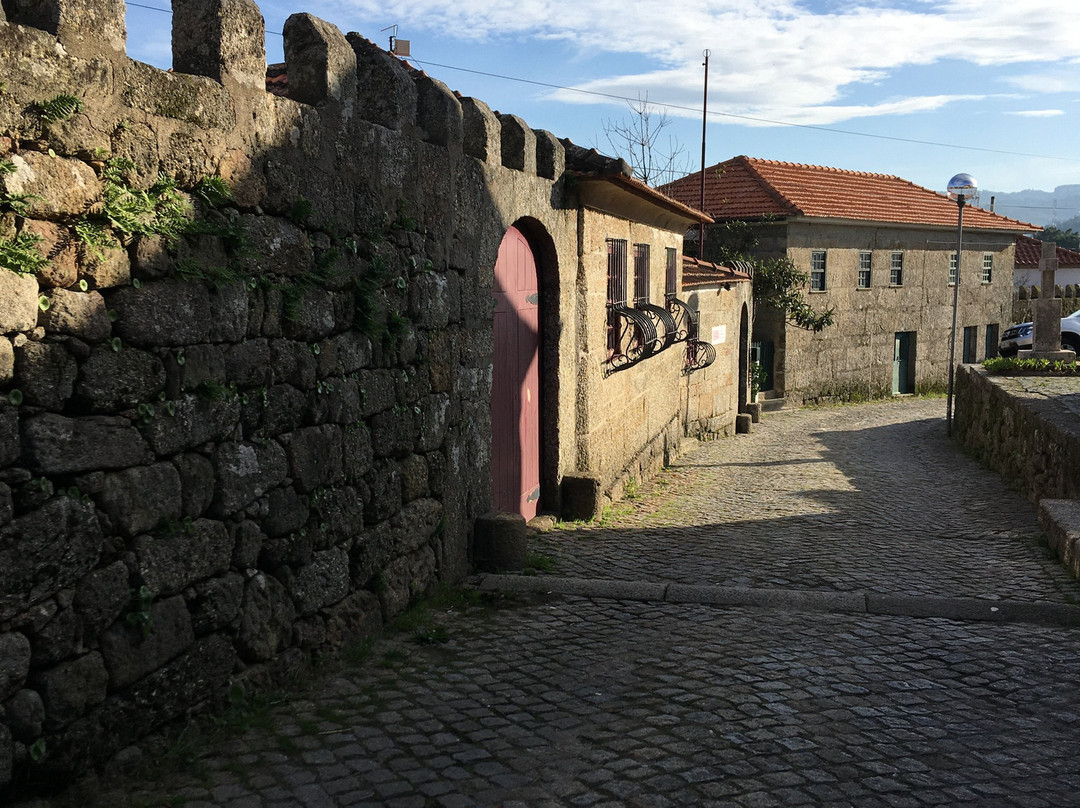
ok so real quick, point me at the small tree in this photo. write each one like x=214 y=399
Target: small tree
x=640 y=140
x=777 y=281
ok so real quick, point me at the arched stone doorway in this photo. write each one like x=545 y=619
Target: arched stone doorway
x=515 y=383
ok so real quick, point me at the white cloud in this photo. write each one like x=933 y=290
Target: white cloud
x=1039 y=113
x=776 y=58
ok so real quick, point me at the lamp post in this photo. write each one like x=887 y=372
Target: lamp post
x=961 y=188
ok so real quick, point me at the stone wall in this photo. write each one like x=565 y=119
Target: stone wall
x=234 y=429
x=853 y=358
x=1024 y=427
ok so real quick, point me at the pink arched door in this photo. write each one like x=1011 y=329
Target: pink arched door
x=515 y=384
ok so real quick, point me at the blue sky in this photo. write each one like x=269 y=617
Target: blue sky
x=995 y=82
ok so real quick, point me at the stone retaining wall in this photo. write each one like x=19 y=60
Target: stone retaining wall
x=234 y=429
x=1024 y=427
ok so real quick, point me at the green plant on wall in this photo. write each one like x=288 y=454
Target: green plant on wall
x=758 y=376
x=58 y=108
x=21 y=255
x=158 y=211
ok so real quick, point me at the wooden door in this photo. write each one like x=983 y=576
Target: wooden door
x=903 y=362
x=515 y=384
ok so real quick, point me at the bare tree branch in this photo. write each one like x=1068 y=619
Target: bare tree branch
x=639 y=139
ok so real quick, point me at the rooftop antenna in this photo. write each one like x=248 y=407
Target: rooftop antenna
x=398 y=47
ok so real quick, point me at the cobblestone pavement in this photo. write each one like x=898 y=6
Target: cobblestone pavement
x=564 y=700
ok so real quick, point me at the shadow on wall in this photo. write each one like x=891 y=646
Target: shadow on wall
x=246 y=363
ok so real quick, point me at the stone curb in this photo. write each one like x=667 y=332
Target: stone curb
x=966 y=609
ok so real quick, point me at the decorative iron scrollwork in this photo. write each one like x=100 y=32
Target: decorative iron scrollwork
x=662 y=321
x=632 y=336
x=684 y=317
x=699 y=355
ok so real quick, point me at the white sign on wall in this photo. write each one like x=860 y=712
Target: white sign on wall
x=719 y=334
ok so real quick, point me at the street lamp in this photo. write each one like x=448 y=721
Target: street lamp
x=961 y=188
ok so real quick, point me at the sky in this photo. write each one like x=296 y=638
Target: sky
x=921 y=89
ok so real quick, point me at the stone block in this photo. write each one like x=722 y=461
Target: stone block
x=499 y=542
x=101 y=596
x=60 y=186
x=7 y=359
x=287 y=512
x=80 y=314
x=229 y=312
x=112 y=267
x=407 y=578
x=220 y=39
x=56 y=444
x=580 y=497
x=196 y=483
x=414 y=478
x=14 y=662
x=244 y=472
x=110 y=380
x=482 y=132
x=343 y=354
x=323 y=581
x=310 y=315
x=195 y=421
x=743 y=423
x=518 y=144
x=320 y=62
x=215 y=604
x=754 y=410
x=141 y=498
x=45 y=373
x=357 y=616
x=70 y=689
x=58 y=248
x=18 y=302
x=58 y=639
x=550 y=155
x=266 y=621
x=438 y=113
x=282 y=410
x=1060 y=520
x=172 y=560
x=293 y=363
x=386 y=94
x=394 y=432
x=165 y=313
x=283 y=248
x=130 y=652
x=336 y=401
x=24 y=713
x=384 y=491
x=314 y=456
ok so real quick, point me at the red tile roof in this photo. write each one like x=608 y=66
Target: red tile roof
x=1029 y=251
x=748 y=188
x=696 y=274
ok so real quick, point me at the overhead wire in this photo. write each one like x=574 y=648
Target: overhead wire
x=711 y=112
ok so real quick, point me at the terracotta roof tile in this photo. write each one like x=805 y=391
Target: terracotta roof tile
x=696 y=274
x=1029 y=251
x=748 y=187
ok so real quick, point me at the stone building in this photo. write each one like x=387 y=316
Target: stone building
x=267 y=357
x=880 y=251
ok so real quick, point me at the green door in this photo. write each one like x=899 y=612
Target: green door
x=903 y=380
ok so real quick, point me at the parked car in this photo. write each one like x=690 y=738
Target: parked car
x=1018 y=337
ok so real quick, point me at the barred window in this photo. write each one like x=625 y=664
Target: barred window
x=896 y=269
x=864 y=270
x=817 y=271
x=641 y=273
x=616 y=270
x=671 y=283
x=988 y=267
x=952 y=269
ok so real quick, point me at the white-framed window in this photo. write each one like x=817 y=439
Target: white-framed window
x=817 y=271
x=896 y=269
x=952 y=269
x=863 y=281
x=988 y=268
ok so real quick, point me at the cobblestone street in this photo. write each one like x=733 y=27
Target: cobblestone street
x=566 y=698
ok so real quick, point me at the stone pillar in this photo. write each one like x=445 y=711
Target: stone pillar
x=86 y=28
x=385 y=91
x=550 y=155
x=220 y=39
x=438 y=113
x=518 y=144
x=320 y=62
x=1046 y=332
x=483 y=135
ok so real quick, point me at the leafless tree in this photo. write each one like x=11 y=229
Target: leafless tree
x=640 y=140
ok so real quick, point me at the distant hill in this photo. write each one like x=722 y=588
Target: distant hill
x=1055 y=207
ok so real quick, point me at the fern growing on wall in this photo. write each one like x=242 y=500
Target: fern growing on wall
x=21 y=255
x=58 y=108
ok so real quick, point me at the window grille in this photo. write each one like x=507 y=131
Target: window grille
x=988 y=267
x=641 y=273
x=864 y=270
x=896 y=269
x=671 y=282
x=817 y=271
